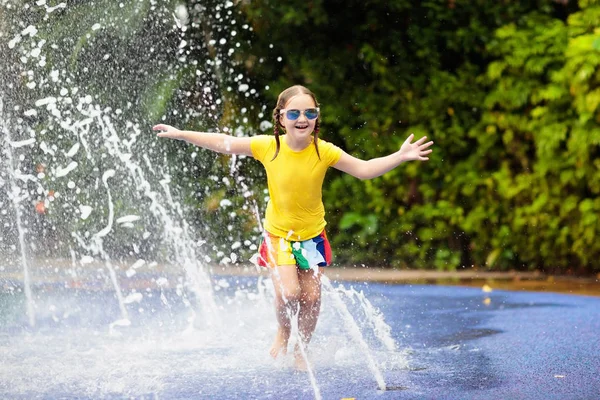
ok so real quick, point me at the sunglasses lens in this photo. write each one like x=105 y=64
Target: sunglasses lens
x=292 y=114
x=311 y=113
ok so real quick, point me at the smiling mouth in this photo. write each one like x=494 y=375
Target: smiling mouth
x=301 y=126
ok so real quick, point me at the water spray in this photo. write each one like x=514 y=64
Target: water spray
x=16 y=198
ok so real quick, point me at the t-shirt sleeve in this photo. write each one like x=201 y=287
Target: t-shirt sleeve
x=330 y=153
x=260 y=145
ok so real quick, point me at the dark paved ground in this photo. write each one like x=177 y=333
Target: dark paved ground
x=499 y=345
x=452 y=343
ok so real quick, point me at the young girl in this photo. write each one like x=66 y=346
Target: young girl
x=295 y=246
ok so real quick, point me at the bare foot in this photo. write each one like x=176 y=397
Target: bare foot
x=280 y=343
x=299 y=360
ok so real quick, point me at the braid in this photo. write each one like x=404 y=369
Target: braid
x=316 y=138
x=276 y=131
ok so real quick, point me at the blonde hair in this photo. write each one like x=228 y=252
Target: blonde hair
x=282 y=100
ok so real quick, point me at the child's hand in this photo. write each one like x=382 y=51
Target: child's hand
x=417 y=150
x=167 y=131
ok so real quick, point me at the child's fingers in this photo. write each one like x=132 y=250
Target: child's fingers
x=421 y=140
x=426 y=145
x=160 y=127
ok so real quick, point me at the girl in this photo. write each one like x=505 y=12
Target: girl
x=295 y=246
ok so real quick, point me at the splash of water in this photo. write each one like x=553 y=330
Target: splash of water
x=355 y=333
x=81 y=145
x=304 y=355
x=374 y=318
x=17 y=197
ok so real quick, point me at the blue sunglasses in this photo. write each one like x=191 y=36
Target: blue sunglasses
x=294 y=114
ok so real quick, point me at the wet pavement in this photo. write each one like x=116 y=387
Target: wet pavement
x=451 y=342
x=499 y=345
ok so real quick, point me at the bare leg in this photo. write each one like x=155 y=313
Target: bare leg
x=287 y=293
x=310 y=307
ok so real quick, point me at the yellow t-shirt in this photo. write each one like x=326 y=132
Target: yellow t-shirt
x=295 y=210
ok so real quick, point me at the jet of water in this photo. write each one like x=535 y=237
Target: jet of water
x=354 y=332
x=16 y=197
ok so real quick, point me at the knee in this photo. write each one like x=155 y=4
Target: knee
x=291 y=294
x=310 y=298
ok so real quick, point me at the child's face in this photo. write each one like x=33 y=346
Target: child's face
x=301 y=128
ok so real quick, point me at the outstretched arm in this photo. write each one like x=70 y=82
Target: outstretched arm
x=218 y=142
x=368 y=169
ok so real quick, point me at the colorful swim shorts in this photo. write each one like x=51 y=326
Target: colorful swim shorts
x=275 y=250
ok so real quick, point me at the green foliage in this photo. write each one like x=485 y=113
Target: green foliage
x=542 y=101
x=367 y=225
